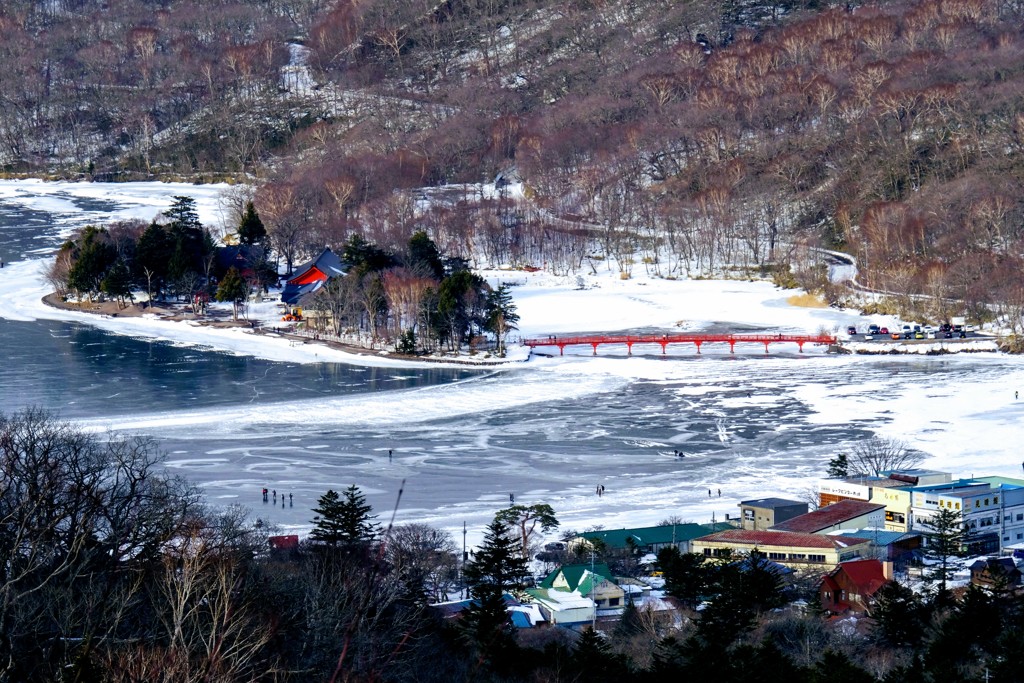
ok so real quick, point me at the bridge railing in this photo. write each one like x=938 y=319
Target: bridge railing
x=665 y=339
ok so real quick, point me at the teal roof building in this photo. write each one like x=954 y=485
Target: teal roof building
x=651 y=539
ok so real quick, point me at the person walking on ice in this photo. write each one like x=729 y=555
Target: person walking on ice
x=511 y=499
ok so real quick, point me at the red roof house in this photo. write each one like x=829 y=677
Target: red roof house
x=289 y=542
x=311 y=276
x=849 y=588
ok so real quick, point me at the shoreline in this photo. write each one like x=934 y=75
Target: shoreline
x=220 y=319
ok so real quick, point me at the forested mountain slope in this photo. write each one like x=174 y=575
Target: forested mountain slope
x=694 y=134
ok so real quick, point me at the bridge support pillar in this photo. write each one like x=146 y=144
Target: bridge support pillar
x=766 y=347
x=732 y=346
x=629 y=348
x=594 y=344
x=801 y=345
x=561 y=349
x=698 y=346
x=664 y=344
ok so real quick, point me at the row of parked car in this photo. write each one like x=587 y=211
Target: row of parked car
x=944 y=331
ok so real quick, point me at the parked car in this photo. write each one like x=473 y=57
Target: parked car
x=869 y=337
x=948 y=334
x=851 y=330
x=946 y=327
x=897 y=335
x=919 y=335
x=884 y=330
x=907 y=332
x=872 y=329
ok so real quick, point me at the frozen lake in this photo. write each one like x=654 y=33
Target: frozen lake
x=549 y=431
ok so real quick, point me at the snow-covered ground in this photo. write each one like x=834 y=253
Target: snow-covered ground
x=753 y=425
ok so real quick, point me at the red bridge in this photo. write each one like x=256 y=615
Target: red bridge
x=697 y=339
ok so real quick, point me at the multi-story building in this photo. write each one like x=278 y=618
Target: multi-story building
x=762 y=513
x=891 y=489
x=992 y=513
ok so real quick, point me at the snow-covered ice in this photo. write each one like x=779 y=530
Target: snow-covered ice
x=551 y=428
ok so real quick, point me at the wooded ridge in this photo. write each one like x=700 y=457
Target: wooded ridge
x=693 y=137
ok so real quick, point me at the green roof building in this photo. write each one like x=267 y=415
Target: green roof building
x=577 y=593
x=651 y=539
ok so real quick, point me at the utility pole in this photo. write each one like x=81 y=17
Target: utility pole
x=464 y=557
x=593 y=585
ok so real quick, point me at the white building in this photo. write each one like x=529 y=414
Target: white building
x=992 y=510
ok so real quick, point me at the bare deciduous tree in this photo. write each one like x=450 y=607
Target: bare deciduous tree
x=426 y=557
x=878 y=454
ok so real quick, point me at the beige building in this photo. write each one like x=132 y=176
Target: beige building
x=897 y=504
x=892 y=491
x=796 y=550
x=761 y=513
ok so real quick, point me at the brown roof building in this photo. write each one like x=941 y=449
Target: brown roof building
x=846 y=514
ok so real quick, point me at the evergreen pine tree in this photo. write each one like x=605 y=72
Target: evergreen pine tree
x=232 y=288
x=839 y=467
x=424 y=258
x=498 y=561
x=251 y=229
x=496 y=567
x=500 y=316
x=117 y=282
x=686 y=577
x=899 y=615
x=151 y=251
x=343 y=520
x=182 y=214
x=630 y=623
x=945 y=541
x=593 y=659
x=94 y=256
x=762 y=584
x=179 y=263
x=669 y=658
